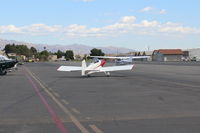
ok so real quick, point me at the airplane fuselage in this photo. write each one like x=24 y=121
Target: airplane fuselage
x=96 y=66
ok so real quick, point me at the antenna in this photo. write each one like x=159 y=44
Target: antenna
x=148 y=48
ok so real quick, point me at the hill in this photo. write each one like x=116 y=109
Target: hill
x=77 y=48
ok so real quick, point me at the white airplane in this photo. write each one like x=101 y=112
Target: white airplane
x=94 y=67
x=122 y=60
x=97 y=66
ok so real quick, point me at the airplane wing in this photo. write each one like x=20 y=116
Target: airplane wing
x=116 y=68
x=69 y=68
x=140 y=57
x=109 y=57
x=115 y=57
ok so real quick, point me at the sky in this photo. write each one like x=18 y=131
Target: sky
x=135 y=24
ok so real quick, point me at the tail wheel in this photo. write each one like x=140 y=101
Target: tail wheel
x=108 y=74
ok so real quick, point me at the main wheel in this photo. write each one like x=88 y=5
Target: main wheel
x=107 y=74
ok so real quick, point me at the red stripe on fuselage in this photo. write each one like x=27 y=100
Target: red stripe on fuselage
x=103 y=62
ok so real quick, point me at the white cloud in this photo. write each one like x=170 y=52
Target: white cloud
x=179 y=29
x=125 y=25
x=87 y=0
x=147 y=9
x=147 y=23
x=9 y=29
x=153 y=10
x=128 y=19
x=162 y=11
x=40 y=28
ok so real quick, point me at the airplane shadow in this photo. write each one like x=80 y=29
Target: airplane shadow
x=92 y=76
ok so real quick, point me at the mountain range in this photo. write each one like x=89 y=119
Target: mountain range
x=77 y=48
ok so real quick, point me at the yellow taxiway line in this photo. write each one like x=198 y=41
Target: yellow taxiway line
x=95 y=129
x=64 y=109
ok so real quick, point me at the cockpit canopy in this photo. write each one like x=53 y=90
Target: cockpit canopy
x=95 y=60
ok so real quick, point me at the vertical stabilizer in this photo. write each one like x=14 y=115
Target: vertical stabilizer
x=83 y=68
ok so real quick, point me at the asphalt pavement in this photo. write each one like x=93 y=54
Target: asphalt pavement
x=153 y=98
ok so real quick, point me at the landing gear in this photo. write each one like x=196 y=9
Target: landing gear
x=107 y=74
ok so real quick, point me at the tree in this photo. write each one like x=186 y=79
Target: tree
x=69 y=55
x=43 y=56
x=18 y=49
x=33 y=50
x=10 y=48
x=59 y=54
x=85 y=57
x=96 y=52
x=135 y=53
x=23 y=50
x=77 y=57
x=144 y=54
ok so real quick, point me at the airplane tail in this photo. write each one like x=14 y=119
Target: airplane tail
x=83 y=68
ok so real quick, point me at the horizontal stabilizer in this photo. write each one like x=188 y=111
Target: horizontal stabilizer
x=116 y=68
x=69 y=68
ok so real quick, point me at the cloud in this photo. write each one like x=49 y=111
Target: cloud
x=147 y=23
x=162 y=11
x=125 y=25
x=179 y=29
x=153 y=10
x=87 y=0
x=147 y=9
x=128 y=19
x=9 y=29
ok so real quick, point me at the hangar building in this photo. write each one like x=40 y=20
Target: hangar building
x=167 y=55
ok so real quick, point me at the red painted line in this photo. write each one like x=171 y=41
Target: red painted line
x=54 y=116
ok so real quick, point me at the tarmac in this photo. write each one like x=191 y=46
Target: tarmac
x=153 y=98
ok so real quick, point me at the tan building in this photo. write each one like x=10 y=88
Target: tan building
x=12 y=54
x=2 y=52
x=52 y=58
x=167 y=55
